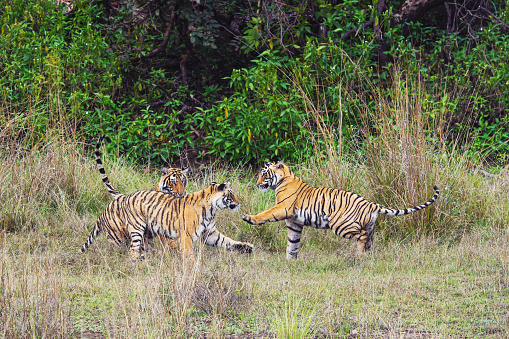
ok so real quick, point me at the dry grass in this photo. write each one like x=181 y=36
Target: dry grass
x=440 y=273
x=426 y=286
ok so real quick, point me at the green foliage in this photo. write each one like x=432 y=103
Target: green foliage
x=149 y=133
x=50 y=63
x=268 y=116
x=150 y=116
x=472 y=71
x=85 y=72
x=260 y=120
x=475 y=73
x=492 y=138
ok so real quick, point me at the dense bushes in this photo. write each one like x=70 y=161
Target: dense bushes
x=52 y=66
x=274 y=108
x=85 y=71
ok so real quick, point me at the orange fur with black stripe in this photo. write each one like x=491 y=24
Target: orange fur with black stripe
x=173 y=182
x=184 y=219
x=347 y=214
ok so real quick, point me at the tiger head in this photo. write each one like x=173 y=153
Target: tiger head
x=271 y=175
x=223 y=196
x=174 y=181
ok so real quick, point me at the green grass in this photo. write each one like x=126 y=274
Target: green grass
x=447 y=284
x=459 y=290
x=438 y=273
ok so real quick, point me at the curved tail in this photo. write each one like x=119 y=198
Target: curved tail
x=388 y=211
x=112 y=190
x=95 y=232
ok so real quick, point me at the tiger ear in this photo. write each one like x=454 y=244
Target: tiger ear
x=164 y=170
x=279 y=164
x=185 y=170
x=213 y=183
x=268 y=163
x=224 y=186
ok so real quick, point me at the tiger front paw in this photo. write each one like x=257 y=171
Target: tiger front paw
x=244 y=248
x=247 y=218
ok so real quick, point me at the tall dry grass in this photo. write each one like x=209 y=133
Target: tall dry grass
x=32 y=300
x=405 y=153
x=402 y=150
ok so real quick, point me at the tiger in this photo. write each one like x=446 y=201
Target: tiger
x=184 y=219
x=173 y=182
x=347 y=214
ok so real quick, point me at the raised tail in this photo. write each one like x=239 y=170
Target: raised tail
x=95 y=232
x=112 y=190
x=388 y=211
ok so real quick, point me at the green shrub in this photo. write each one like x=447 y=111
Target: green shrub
x=50 y=65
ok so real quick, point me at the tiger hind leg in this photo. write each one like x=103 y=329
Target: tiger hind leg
x=365 y=239
x=365 y=244
x=294 y=234
x=362 y=242
x=370 y=228
x=136 y=243
x=353 y=230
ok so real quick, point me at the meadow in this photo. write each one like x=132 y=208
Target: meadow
x=437 y=273
x=333 y=110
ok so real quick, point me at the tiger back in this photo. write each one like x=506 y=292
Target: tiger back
x=347 y=214
x=184 y=219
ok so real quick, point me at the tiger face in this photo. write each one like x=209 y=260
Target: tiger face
x=270 y=175
x=173 y=181
x=223 y=197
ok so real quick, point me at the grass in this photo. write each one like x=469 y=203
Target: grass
x=444 y=290
x=438 y=273
x=435 y=285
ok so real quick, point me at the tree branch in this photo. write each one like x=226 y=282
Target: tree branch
x=356 y=30
x=412 y=9
x=163 y=44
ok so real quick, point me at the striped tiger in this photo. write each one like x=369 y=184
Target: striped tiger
x=184 y=219
x=347 y=214
x=173 y=182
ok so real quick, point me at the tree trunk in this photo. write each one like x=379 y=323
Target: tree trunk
x=413 y=9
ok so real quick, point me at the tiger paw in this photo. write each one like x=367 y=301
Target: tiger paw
x=245 y=248
x=136 y=257
x=247 y=218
